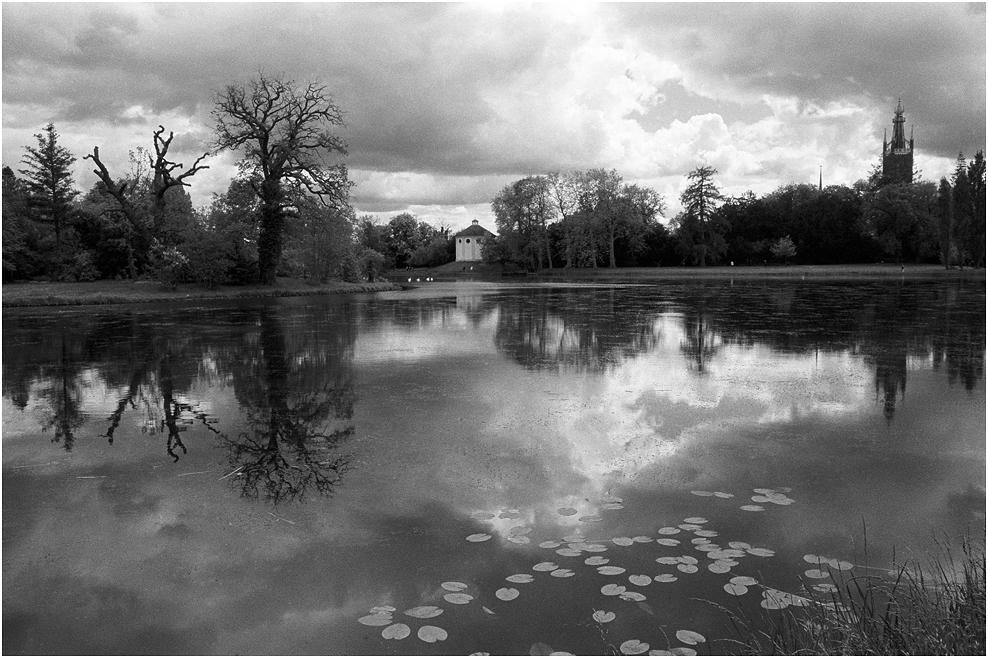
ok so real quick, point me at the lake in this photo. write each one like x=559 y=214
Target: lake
x=478 y=467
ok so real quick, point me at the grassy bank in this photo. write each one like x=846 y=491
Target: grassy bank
x=482 y=271
x=934 y=609
x=129 y=292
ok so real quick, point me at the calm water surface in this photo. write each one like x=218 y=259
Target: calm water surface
x=257 y=477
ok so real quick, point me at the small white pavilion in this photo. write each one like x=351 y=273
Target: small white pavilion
x=470 y=241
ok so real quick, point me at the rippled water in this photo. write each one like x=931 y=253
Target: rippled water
x=256 y=477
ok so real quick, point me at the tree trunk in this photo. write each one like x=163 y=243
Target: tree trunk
x=613 y=260
x=269 y=233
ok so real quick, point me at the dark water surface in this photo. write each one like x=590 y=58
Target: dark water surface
x=257 y=476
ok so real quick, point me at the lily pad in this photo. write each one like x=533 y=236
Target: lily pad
x=665 y=541
x=760 y=499
x=383 y=608
x=659 y=652
x=480 y=536
x=669 y=531
x=545 y=566
x=665 y=578
x=690 y=637
x=687 y=568
x=633 y=647
x=520 y=578
x=761 y=552
x=569 y=552
x=705 y=533
x=816 y=573
x=683 y=651
x=695 y=519
x=632 y=596
x=612 y=590
x=596 y=560
x=735 y=589
x=640 y=579
x=424 y=611
x=642 y=539
x=602 y=616
x=609 y=498
x=574 y=537
x=841 y=565
x=826 y=588
x=562 y=573
x=690 y=526
x=510 y=514
x=453 y=586
x=507 y=593
x=519 y=530
x=721 y=494
x=396 y=632
x=459 y=598
x=612 y=506
x=753 y=508
x=702 y=493
x=717 y=567
x=688 y=559
x=590 y=518
x=595 y=548
x=376 y=619
x=740 y=545
x=667 y=560
x=623 y=541
x=744 y=580
x=432 y=634
x=610 y=570
x=550 y=544
x=519 y=539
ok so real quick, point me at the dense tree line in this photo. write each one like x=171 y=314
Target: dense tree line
x=592 y=218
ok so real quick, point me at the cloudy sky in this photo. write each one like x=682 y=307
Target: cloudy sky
x=446 y=103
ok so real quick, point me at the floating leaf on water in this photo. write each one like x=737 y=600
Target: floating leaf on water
x=540 y=649
x=519 y=539
x=568 y=552
x=699 y=540
x=753 y=508
x=717 y=567
x=840 y=565
x=667 y=560
x=376 y=619
x=640 y=579
x=688 y=559
x=665 y=578
x=574 y=537
x=396 y=632
x=560 y=653
x=683 y=651
x=659 y=652
x=488 y=610
x=740 y=545
x=642 y=539
x=633 y=647
x=566 y=511
x=721 y=494
x=669 y=531
x=760 y=499
x=452 y=586
x=695 y=519
x=726 y=562
x=690 y=526
x=424 y=611
x=623 y=541
x=479 y=653
x=432 y=634
x=459 y=598
x=545 y=566
x=735 y=589
x=383 y=608
x=744 y=580
x=826 y=588
x=507 y=593
x=595 y=548
x=610 y=571
x=687 y=568
x=612 y=506
x=596 y=560
x=590 y=518
x=519 y=530
x=816 y=573
x=761 y=552
x=520 y=578
x=702 y=493
x=690 y=637
x=705 y=533
x=482 y=516
x=632 y=596
x=612 y=590
x=562 y=573
x=550 y=544
x=602 y=616
x=480 y=536
x=665 y=541
x=764 y=492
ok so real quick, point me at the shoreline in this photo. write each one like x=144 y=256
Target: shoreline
x=98 y=293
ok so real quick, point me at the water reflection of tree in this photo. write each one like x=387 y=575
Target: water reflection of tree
x=586 y=331
x=62 y=396
x=298 y=393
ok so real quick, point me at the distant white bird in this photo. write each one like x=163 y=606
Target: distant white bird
x=409 y=279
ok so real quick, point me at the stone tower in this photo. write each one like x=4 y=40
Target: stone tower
x=897 y=155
